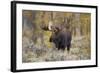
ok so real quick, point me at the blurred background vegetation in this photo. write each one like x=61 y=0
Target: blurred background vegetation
x=35 y=41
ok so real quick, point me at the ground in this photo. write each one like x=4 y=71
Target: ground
x=80 y=50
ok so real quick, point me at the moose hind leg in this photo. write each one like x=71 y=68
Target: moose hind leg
x=68 y=48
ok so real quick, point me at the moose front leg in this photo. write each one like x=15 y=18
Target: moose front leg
x=58 y=48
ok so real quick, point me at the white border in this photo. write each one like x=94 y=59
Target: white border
x=21 y=65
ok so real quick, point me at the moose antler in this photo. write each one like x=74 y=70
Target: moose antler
x=48 y=27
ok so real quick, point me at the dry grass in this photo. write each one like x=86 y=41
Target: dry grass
x=80 y=50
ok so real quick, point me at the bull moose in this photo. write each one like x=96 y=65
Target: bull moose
x=60 y=36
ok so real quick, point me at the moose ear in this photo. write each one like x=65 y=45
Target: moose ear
x=44 y=27
x=50 y=25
